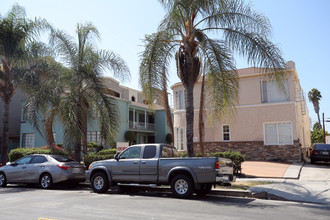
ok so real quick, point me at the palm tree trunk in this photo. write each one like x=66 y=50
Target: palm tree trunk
x=77 y=150
x=84 y=130
x=190 y=119
x=201 y=118
x=5 y=133
x=167 y=109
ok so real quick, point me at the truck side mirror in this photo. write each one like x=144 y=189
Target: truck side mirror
x=116 y=157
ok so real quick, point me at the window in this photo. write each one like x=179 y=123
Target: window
x=93 y=136
x=180 y=99
x=133 y=99
x=38 y=159
x=131 y=153
x=271 y=92
x=179 y=138
x=278 y=133
x=168 y=152
x=28 y=140
x=149 y=152
x=27 y=114
x=24 y=160
x=226 y=133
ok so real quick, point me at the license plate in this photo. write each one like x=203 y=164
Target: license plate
x=325 y=153
x=77 y=170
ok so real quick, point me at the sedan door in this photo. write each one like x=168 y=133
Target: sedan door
x=16 y=171
x=126 y=169
x=35 y=168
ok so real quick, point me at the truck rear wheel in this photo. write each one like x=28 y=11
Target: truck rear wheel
x=99 y=182
x=182 y=186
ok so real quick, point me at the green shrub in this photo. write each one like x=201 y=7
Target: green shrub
x=22 y=152
x=92 y=157
x=94 y=147
x=236 y=157
x=106 y=152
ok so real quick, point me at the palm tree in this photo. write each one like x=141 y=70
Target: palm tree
x=15 y=31
x=314 y=96
x=84 y=93
x=184 y=34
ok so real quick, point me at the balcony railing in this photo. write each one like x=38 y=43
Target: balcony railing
x=142 y=126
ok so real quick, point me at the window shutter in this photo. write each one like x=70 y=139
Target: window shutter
x=271 y=134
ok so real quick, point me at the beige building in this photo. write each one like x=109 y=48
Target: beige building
x=269 y=123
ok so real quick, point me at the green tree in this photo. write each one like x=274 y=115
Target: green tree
x=317 y=135
x=78 y=93
x=314 y=96
x=15 y=32
x=185 y=35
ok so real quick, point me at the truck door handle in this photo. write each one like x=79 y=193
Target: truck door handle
x=144 y=162
x=23 y=167
x=135 y=162
x=42 y=166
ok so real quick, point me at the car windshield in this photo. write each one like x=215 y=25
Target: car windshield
x=322 y=147
x=62 y=159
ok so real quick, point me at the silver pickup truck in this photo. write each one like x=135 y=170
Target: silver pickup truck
x=160 y=164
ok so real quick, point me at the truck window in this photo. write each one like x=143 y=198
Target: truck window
x=131 y=153
x=149 y=152
x=168 y=151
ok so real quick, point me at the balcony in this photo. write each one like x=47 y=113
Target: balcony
x=142 y=126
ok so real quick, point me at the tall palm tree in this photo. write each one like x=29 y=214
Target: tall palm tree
x=15 y=31
x=315 y=96
x=185 y=34
x=84 y=92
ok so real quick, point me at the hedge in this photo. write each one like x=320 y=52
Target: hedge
x=17 y=153
x=102 y=155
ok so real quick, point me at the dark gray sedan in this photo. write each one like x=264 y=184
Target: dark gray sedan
x=320 y=152
x=43 y=169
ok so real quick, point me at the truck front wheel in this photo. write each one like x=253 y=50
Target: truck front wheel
x=99 y=182
x=182 y=186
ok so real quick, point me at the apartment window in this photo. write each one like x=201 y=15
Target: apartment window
x=93 y=136
x=26 y=113
x=180 y=99
x=278 y=133
x=179 y=138
x=28 y=140
x=226 y=133
x=54 y=135
x=271 y=92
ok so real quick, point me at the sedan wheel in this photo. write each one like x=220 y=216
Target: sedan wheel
x=46 y=181
x=3 y=181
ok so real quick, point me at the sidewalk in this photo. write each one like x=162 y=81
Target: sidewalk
x=286 y=184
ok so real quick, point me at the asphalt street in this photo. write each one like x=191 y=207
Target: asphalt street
x=20 y=202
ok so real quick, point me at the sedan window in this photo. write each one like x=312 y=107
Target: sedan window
x=38 y=159
x=24 y=160
x=62 y=159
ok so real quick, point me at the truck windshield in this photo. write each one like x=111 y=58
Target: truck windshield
x=169 y=151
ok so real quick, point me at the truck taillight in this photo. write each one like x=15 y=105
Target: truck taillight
x=217 y=165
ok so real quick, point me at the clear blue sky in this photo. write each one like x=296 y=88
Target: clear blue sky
x=300 y=27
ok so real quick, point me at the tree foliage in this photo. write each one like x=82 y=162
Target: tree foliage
x=185 y=35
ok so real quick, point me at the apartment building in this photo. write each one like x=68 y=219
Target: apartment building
x=269 y=122
x=149 y=125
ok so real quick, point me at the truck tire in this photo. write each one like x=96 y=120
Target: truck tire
x=205 y=189
x=99 y=182
x=182 y=186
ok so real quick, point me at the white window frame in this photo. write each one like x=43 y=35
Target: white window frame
x=180 y=97
x=278 y=133
x=223 y=133
x=180 y=141
x=28 y=140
